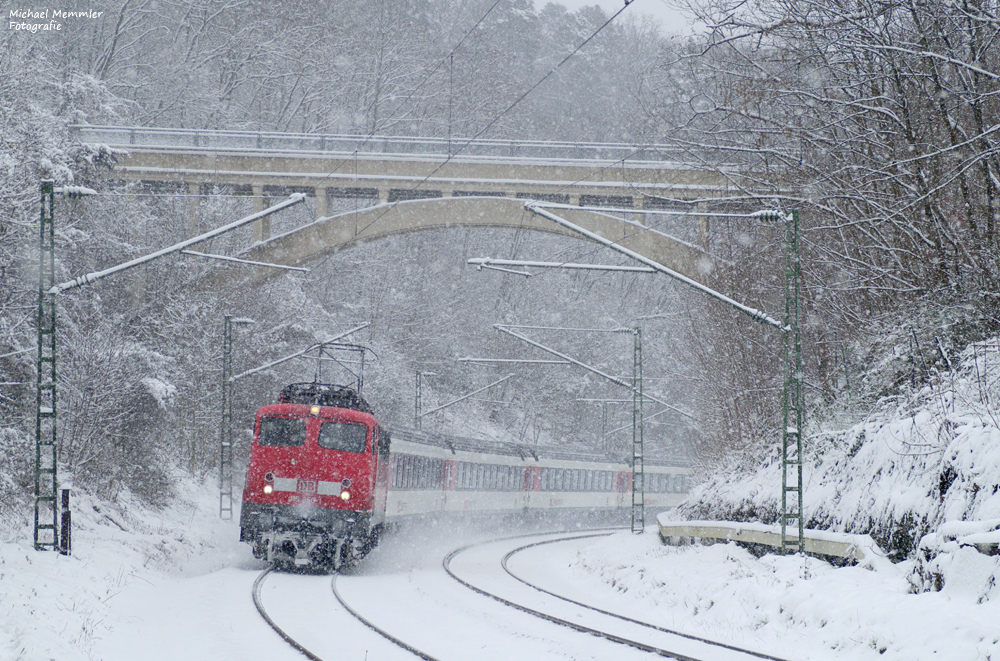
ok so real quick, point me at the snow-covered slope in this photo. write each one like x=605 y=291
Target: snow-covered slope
x=65 y=607
x=917 y=460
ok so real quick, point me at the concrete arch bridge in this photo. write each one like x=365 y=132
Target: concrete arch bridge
x=420 y=183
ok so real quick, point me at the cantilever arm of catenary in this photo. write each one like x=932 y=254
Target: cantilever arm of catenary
x=465 y=397
x=89 y=278
x=298 y=353
x=754 y=314
x=507 y=329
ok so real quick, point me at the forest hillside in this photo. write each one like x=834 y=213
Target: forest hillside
x=873 y=120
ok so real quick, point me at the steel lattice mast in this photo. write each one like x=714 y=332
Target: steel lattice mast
x=46 y=533
x=792 y=401
x=638 y=467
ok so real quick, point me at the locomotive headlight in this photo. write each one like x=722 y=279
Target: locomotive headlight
x=314 y=410
x=268 y=488
x=345 y=496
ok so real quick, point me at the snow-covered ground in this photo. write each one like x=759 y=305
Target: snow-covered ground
x=176 y=584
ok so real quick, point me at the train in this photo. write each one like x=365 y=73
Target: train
x=325 y=480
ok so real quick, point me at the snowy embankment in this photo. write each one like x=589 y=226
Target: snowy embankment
x=68 y=608
x=913 y=469
x=793 y=607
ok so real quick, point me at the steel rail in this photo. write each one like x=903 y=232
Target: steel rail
x=267 y=618
x=374 y=627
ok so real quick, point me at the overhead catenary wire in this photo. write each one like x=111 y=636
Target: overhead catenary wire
x=419 y=86
x=504 y=112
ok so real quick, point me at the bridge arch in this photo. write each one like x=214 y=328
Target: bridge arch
x=332 y=234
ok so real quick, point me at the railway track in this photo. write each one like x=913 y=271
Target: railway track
x=601 y=623
x=707 y=641
x=312 y=656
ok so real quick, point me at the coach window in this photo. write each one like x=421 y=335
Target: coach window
x=421 y=476
x=404 y=472
x=343 y=436
x=284 y=432
x=407 y=472
x=397 y=471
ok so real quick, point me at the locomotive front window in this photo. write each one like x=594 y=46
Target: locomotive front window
x=282 y=431
x=343 y=436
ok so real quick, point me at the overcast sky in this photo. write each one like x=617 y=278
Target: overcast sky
x=671 y=19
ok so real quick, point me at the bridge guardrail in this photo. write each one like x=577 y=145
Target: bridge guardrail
x=132 y=136
x=860 y=548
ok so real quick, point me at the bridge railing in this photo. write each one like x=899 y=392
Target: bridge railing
x=259 y=141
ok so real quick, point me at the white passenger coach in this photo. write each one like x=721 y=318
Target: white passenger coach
x=433 y=473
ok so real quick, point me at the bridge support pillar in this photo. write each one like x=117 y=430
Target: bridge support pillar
x=702 y=228
x=320 y=202
x=194 y=221
x=262 y=227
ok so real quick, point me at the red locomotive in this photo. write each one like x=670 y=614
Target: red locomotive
x=318 y=476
